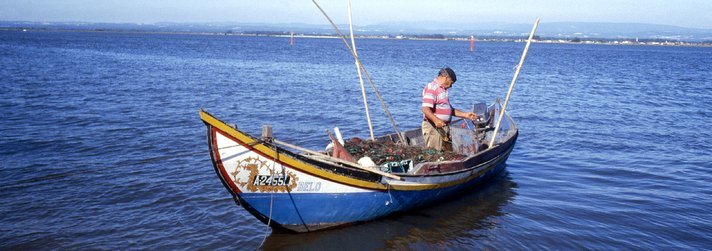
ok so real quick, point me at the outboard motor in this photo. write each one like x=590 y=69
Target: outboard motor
x=484 y=114
x=481 y=110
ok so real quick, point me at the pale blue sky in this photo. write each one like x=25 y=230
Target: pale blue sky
x=685 y=13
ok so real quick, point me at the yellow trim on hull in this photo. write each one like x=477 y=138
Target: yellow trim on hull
x=305 y=167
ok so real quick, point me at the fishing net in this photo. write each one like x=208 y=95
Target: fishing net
x=384 y=152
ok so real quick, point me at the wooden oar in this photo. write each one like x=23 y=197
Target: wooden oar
x=331 y=159
x=511 y=85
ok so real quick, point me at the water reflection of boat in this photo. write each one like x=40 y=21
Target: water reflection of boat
x=302 y=192
x=470 y=217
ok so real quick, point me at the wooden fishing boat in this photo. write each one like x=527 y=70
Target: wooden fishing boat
x=306 y=191
x=309 y=191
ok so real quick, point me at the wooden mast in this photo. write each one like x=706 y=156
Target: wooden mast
x=401 y=138
x=360 y=78
x=511 y=85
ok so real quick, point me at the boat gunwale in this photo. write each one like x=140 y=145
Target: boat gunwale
x=328 y=171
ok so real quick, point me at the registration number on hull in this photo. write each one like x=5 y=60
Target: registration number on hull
x=271 y=180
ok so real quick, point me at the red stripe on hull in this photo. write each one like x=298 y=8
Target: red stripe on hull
x=219 y=163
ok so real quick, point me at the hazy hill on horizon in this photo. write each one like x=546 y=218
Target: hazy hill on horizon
x=564 y=30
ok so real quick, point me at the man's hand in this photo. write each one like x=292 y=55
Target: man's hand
x=439 y=123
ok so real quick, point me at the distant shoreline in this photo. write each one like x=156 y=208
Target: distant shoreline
x=622 y=41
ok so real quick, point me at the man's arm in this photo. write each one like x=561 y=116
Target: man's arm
x=431 y=116
x=467 y=115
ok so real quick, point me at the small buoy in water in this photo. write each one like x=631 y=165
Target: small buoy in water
x=472 y=43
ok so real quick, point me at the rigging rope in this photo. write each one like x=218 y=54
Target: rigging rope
x=269 y=221
x=276 y=158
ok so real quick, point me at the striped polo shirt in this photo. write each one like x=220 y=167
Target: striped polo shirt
x=434 y=96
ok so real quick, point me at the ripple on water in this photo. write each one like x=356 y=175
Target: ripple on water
x=101 y=146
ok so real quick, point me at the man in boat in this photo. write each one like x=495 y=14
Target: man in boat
x=438 y=112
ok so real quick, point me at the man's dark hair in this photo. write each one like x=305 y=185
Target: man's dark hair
x=448 y=72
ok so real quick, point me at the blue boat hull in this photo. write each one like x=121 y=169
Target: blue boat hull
x=318 y=211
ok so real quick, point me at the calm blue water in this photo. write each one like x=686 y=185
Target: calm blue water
x=101 y=146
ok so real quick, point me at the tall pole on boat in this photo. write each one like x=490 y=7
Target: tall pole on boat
x=360 y=78
x=511 y=85
x=370 y=81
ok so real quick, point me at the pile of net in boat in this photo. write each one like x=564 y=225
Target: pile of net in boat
x=384 y=152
